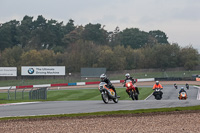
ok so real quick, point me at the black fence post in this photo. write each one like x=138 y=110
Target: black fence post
x=23 y=93
x=15 y=93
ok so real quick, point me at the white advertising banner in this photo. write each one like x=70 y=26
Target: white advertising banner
x=8 y=71
x=42 y=70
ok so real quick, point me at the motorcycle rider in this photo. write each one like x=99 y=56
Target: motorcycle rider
x=104 y=78
x=157 y=85
x=128 y=77
x=175 y=86
x=187 y=86
x=182 y=90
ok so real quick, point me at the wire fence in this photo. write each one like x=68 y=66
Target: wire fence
x=24 y=94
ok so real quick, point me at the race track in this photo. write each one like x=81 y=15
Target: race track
x=67 y=107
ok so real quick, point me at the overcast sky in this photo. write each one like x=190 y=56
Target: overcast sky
x=179 y=19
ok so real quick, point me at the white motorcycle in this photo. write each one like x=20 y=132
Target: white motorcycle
x=107 y=93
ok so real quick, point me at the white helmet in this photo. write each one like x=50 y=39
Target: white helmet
x=103 y=76
x=157 y=82
x=127 y=75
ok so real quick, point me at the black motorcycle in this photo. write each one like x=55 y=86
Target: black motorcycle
x=187 y=86
x=175 y=86
x=158 y=94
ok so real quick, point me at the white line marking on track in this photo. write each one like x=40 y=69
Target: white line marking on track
x=148 y=96
x=10 y=104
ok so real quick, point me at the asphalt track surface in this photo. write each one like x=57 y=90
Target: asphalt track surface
x=170 y=99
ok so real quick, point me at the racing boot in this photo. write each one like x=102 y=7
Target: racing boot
x=128 y=93
x=116 y=95
x=137 y=90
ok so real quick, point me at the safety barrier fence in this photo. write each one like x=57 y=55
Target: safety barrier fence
x=27 y=93
x=70 y=84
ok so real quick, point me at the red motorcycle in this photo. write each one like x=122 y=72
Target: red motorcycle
x=131 y=89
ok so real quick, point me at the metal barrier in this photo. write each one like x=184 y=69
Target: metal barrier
x=26 y=93
x=40 y=93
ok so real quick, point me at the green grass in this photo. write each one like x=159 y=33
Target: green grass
x=91 y=94
x=77 y=94
x=164 y=74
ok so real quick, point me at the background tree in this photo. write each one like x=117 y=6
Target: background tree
x=144 y=57
x=8 y=34
x=25 y=31
x=31 y=58
x=53 y=34
x=160 y=36
x=72 y=36
x=48 y=57
x=49 y=42
x=114 y=37
x=69 y=27
x=95 y=33
x=11 y=57
x=189 y=57
x=134 y=37
x=119 y=58
x=38 y=38
x=106 y=58
x=129 y=58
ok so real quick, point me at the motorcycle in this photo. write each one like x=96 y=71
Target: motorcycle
x=107 y=94
x=187 y=86
x=182 y=96
x=175 y=86
x=131 y=89
x=158 y=94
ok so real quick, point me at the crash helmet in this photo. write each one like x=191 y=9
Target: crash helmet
x=157 y=82
x=182 y=88
x=127 y=75
x=103 y=76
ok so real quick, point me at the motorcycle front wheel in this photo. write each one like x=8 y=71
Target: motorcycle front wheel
x=105 y=97
x=158 y=97
x=132 y=95
x=136 y=96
